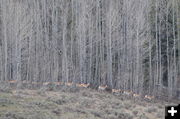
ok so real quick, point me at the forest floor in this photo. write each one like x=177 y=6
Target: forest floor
x=74 y=103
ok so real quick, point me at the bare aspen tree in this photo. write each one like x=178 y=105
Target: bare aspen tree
x=159 y=45
x=150 y=55
x=127 y=44
x=137 y=55
x=1 y=41
x=157 y=51
x=174 y=49
x=168 y=62
x=178 y=33
x=4 y=5
x=64 y=60
x=109 y=53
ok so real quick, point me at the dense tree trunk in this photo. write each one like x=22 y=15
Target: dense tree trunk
x=132 y=45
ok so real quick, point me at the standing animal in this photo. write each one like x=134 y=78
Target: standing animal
x=115 y=91
x=12 y=81
x=68 y=84
x=84 y=85
x=136 y=95
x=128 y=93
x=149 y=98
x=105 y=88
x=46 y=83
x=102 y=88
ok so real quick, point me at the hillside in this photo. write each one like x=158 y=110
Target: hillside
x=86 y=59
x=75 y=103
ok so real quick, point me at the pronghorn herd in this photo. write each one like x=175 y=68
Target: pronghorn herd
x=68 y=84
x=100 y=88
x=126 y=93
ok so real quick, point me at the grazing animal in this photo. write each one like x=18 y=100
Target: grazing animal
x=12 y=81
x=83 y=85
x=46 y=83
x=102 y=88
x=128 y=93
x=136 y=95
x=68 y=84
x=105 y=88
x=115 y=91
x=148 y=97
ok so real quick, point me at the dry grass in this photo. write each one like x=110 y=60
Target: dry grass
x=73 y=103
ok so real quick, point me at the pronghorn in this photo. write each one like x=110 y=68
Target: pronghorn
x=148 y=97
x=83 y=85
x=136 y=95
x=79 y=85
x=12 y=81
x=115 y=91
x=45 y=83
x=68 y=83
x=102 y=88
x=128 y=93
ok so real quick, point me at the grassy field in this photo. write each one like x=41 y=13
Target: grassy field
x=74 y=103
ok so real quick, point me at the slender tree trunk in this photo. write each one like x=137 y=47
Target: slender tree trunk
x=109 y=47
x=157 y=48
x=174 y=49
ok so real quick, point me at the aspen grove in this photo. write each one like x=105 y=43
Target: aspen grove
x=125 y=44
